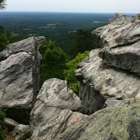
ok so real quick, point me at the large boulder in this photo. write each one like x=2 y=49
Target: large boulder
x=19 y=70
x=121 y=42
x=99 y=82
x=55 y=93
x=52 y=112
x=111 y=72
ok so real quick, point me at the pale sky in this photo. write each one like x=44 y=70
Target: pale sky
x=107 y=6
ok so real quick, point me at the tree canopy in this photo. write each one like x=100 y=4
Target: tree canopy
x=6 y=37
x=85 y=40
x=53 y=61
x=69 y=73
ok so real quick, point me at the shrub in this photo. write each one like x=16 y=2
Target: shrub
x=69 y=73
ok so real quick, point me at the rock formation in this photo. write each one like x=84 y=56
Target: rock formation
x=52 y=113
x=112 y=72
x=119 y=122
x=19 y=76
x=121 y=41
x=109 y=89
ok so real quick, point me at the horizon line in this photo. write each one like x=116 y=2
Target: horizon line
x=67 y=12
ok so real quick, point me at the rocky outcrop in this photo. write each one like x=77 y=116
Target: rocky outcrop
x=99 y=82
x=109 y=89
x=121 y=42
x=112 y=72
x=19 y=76
x=52 y=113
x=118 y=122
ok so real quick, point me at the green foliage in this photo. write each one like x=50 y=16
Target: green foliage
x=3 y=41
x=2 y=134
x=70 y=71
x=2 y=113
x=53 y=62
x=65 y=41
x=2 y=131
x=6 y=37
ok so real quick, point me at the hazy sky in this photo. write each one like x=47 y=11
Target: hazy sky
x=122 y=6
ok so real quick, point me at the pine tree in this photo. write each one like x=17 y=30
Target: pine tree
x=53 y=61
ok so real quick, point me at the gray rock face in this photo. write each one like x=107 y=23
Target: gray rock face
x=121 y=30
x=57 y=122
x=91 y=99
x=106 y=77
x=112 y=72
x=55 y=93
x=51 y=114
x=19 y=75
x=121 y=42
x=104 y=82
x=16 y=77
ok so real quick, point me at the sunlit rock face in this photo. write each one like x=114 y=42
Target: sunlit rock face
x=121 y=42
x=19 y=69
x=99 y=82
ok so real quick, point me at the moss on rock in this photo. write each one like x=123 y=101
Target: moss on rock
x=119 y=122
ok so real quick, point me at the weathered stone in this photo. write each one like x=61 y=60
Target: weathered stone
x=120 y=31
x=55 y=93
x=101 y=82
x=125 y=57
x=16 y=85
x=92 y=100
x=19 y=69
x=111 y=102
x=118 y=122
x=121 y=42
x=8 y=123
x=29 y=45
x=104 y=82
x=51 y=114
x=21 y=132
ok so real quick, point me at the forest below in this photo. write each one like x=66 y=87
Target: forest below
x=58 y=27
